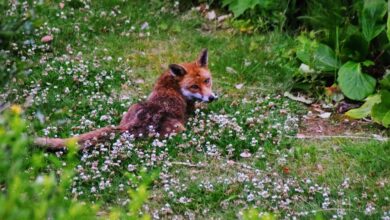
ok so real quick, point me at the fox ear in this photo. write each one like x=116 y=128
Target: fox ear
x=203 y=59
x=177 y=70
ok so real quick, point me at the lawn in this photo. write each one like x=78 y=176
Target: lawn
x=249 y=149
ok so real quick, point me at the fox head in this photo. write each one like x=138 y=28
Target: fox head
x=195 y=79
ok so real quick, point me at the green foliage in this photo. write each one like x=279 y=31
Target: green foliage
x=324 y=14
x=347 y=45
x=239 y=7
x=141 y=194
x=263 y=14
x=385 y=82
x=253 y=214
x=388 y=20
x=355 y=84
x=317 y=55
x=371 y=18
x=30 y=192
x=381 y=111
x=365 y=109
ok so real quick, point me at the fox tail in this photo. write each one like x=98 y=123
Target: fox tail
x=93 y=137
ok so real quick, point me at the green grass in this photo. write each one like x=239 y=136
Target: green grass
x=104 y=72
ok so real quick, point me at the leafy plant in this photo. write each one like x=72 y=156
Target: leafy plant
x=378 y=106
x=264 y=14
x=365 y=109
x=238 y=7
x=381 y=111
x=371 y=18
x=317 y=55
x=355 y=84
x=30 y=192
x=388 y=20
x=353 y=50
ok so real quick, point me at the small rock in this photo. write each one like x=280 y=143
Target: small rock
x=306 y=69
x=47 y=38
x=139 y=81
x=211 y=15
x=231 y=162
x=145 y=25
x=283 y=111
x=245 y=154
x=239 y=86
x=325 y=115
x=320 y=168
x=222 y=18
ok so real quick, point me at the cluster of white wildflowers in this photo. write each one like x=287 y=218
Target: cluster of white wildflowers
x=267 y=189
x=105 y=161
x=270 y=188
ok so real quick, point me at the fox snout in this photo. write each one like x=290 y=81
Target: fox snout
x=212 y=97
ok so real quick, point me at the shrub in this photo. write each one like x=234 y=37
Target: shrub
x=351 y=52
x=29 y=191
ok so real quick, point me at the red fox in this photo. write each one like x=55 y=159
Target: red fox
x=165 y=111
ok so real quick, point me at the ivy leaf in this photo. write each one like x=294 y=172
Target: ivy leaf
x=365 y=109
x=381 y=111
x=355 y=84
x=373 y=12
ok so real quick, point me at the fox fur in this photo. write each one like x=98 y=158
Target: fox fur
x=165 y=111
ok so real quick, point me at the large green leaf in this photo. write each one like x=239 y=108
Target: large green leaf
x=381 y=111
x=355 y=84
x=371 y=17
x=365 y=109
x=316 y=55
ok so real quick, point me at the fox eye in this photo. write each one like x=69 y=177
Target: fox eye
x=194 y=87
x=207 y=80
